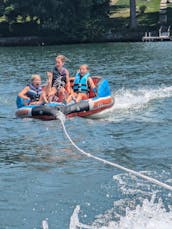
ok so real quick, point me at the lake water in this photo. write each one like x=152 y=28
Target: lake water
x=44 y=179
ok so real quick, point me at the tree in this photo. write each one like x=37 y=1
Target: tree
x=90 y=18
x=133 y=22
x=2 y=6
x=69 y=20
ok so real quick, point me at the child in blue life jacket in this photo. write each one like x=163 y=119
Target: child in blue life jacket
x=82 y=83
x=32 y=93
x=58 y=80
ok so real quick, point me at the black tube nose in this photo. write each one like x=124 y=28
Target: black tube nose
x=45 y=111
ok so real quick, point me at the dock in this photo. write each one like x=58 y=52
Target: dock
x=163 y=36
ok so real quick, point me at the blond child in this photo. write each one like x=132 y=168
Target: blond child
x=33 y=92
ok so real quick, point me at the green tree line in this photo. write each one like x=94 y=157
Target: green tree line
x=66 y=19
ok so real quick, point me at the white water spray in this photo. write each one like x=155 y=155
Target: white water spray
x=149 y=215
x=44 y=224
x=129 y=98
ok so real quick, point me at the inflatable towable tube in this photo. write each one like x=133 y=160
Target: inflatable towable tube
x=84 y=108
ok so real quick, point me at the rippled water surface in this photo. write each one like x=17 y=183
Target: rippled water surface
x=44 y=179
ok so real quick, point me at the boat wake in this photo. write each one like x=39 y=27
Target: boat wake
x=126 y=99
x=129 y=101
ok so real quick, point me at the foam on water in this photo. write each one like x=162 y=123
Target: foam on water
x=125 y=99
x=146 y=215
x=142 y=207
x=128 y=101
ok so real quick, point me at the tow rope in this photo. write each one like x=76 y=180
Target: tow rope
x=60 y=116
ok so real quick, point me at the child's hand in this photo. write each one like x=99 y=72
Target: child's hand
x=49 y=75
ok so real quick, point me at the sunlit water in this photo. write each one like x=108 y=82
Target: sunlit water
x=46 y=182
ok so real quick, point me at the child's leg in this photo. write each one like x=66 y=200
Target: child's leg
x=52 y=94
x=43 y=97
x=62 y=94
x=71 y=97
x=81 y=96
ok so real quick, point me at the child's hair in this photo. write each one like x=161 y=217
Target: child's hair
x=84 y=65
x=34 y=76
x=62 y=58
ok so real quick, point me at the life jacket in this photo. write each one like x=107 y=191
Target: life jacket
x=59 y=78
x=34 y=93
x=80 y=83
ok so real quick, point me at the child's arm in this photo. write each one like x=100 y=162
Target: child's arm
x=68 y=88
x=22 y=94
x=92 y=85
x=50 y=79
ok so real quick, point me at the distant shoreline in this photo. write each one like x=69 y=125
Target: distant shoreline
x=52 y=40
